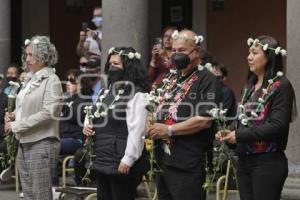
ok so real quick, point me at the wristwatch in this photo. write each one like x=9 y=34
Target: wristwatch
x=170 y=131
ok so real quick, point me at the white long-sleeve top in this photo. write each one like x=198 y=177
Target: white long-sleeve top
x=136 y=116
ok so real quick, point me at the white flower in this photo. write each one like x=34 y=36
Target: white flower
x=244 y=122
x=14 y=84
x=103 y=114
x=106 y=92
x=265 y=91
x=36 y=41
x=111 y=50
x=250 y=41
x=137 y=55
x=223 y=112
x=279 y=73
x=165 y=81
x=175 y=35
x=265 y=47
x=214 y=112
x=168 y=96
x=11 y=96
x=241 y=116
x=270 y=81
x=173 y=71
x=277 y=50
x=112 y=107
x=208 y=66
x=121 y=92
x=131 y=55
x=98 y=104
x=117 y=97
x=283 y=52
x=159 y=90
x=254 y=114
x=102 y=97
x=184 y=36
x=200 y=67
x=97 y=114
x=198 y=39
x=255 y=42
x=261 y=100
x=27 y=41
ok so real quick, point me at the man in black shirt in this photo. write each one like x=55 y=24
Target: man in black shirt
x=184 y=131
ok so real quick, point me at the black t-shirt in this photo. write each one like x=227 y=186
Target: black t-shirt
x=204 y=93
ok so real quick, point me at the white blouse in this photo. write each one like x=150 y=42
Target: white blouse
x=136 y=116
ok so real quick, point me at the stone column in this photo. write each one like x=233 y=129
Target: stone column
x=125 y=23
x=4 y=35
x=292 y=186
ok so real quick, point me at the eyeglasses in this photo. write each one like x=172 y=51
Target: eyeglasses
x=72 y=81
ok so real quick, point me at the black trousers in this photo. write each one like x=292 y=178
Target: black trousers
x=262 y=176
x=116 y=187
x=176 y=184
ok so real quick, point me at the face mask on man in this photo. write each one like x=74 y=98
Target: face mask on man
x=115 y=74
x=97 y=21
x=13 y=79
x=181 y=60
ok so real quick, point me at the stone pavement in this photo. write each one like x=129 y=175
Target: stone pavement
x=7 y=192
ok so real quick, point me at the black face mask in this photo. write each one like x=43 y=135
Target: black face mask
x=181 y=60
x=14 y=79
x=115 y=74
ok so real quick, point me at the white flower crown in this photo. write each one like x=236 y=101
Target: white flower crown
x=197 y=38
x=265 y=47
x=27 y=41
x=130 y=55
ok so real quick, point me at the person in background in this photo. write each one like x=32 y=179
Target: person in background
x=82 y=64
x=35 y=120
x=3 y=106
x=93 y=72
x=161 y=62
x=268 y=107
x=228 y=97
x=12 y=74
x=72 y=115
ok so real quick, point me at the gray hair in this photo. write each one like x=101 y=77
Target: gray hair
x=43 y=50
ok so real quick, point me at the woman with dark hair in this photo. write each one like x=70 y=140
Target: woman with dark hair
x=161 y=62
x=266 y=110
x=119 y=126
x=78 y=90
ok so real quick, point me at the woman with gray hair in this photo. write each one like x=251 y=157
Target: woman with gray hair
x=35 y=119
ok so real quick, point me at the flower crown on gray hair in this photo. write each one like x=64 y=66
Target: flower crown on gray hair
x=197 y=39
x=43 y=50
x=265 y=47
x=130 y=55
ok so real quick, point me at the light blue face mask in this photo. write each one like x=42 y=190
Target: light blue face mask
x=97 y=21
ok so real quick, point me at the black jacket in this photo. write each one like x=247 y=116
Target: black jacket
x=72 y=116
x=111 y=139
x=3 y=105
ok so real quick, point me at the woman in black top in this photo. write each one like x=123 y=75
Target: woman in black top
x=78 y=91
x=265 y=113
x=119 y=126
